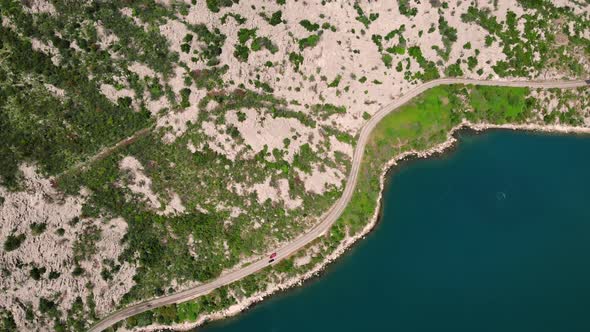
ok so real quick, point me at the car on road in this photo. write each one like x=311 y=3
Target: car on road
x=273 y=255
x=271 y=260
x=588 y=82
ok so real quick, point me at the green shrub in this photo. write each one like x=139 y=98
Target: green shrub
x=263 y=42
x=276 y=18
x=311 y=27
x=335 y=82
x=36 y=273
x=310 y=42
x=13 y=242
x=405 y=8
x=241 y=52
x=215 y=5
x=38 y=228
x=296 y=59
x=387 y=60
x=454 y=70
x=246 y=34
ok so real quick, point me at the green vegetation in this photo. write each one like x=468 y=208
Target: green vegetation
x=449 y=37
x=36 y=273
x=326 y=110
x=209 y=79
x=215 y=5
x=430 y=71
x=405 y=8
x=264 y=42
x=13 y=242
x=311 y=27
x=310 y=41
x=471 y=62
x=239 y=18
x=296 y=59
x=246 y=34
x=212 y=43
x=421 y=123
x=158 y=244
x=38 y=228
x=72 y=129
x=275 y=19
x=537 y=48
x=85 y=245
x=387 y=60
x=366 y=21
x=335 y=82
x=454 y=70
x=258 y=43
x=493 y=105
x=241 y=52
x=7 y=322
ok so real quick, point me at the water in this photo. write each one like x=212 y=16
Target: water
x=494 y=236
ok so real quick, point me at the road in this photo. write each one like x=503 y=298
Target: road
x=331 y=215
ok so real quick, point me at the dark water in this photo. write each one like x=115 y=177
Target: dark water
x=494 y=236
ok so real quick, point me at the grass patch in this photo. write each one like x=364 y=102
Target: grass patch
x=422 y=123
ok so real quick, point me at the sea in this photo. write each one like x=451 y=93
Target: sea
x=492 y=235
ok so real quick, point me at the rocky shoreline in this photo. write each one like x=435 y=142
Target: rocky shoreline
x=350 y=240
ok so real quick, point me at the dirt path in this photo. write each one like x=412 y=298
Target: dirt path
x=106 y=152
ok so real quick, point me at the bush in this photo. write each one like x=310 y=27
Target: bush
x=387 y=60
x=36 y=273
x=335 y=82
x=454 y=70
x=215 y=5
x=276 y=18
x=38 y=228
x=310 y=42
x=311 y=27
x=263 y=42
x=77 y=271
x=296 y=59
x=246 y=34
x=13 y=242
x=242 y=52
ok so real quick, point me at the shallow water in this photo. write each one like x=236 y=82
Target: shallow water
x=494 y=236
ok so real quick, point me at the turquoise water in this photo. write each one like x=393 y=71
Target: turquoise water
x=494 y=236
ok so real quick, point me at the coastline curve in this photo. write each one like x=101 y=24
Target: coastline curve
x=330 y=216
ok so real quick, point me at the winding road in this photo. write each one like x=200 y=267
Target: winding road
x=332 y=214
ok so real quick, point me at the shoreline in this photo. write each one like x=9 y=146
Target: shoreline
x=348 y=241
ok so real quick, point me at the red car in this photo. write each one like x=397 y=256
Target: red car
x=273 y=255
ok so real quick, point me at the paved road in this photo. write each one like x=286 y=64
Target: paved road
x=331 y=215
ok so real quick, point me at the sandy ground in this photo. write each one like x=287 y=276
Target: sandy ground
x=334 y=56
x=48 y=49
x=317 y=182
x=348 y=53
x=266 y=191
x=39 y=203
x=40 y=6
x=140 y=184
x=113 y=94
